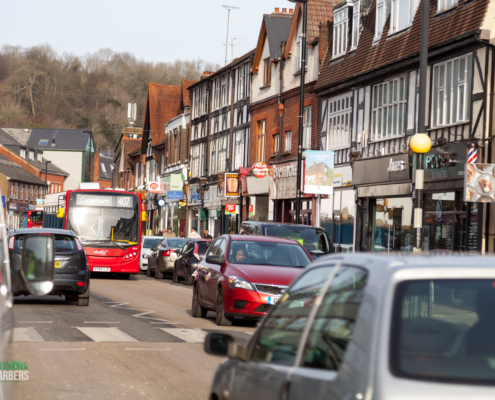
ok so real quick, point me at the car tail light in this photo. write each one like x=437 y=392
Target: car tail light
x=81 y=283
x=11 y=243
x=78 y=244
x=167 y=253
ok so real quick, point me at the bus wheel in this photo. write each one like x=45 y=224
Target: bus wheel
x=125 y=276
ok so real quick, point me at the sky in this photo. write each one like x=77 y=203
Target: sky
x=153 y=30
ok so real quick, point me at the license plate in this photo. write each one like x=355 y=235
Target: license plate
x=57 y=264
x=272 y=300
x=99 y=269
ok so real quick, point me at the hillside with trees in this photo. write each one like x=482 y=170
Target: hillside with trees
x=42 y=89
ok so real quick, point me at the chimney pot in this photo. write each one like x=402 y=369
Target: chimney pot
x=206 y=73
x=291 y=11
x=277 y=9
x=284 y=10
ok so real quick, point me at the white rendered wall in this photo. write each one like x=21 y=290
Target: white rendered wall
x=70 y=162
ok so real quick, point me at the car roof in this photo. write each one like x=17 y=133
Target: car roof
x=281 y=224
x=252 y=238
x=199 y=240
x=153 y=237
x=34 y=231
x=402 y=260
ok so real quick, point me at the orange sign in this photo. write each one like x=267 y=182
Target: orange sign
x=230 y=209
x=154 y=187
x=260 y=169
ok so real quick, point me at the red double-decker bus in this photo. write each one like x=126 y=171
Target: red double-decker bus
x=108 y=223
x=35 y=219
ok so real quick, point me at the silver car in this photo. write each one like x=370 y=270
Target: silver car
x=371 y=327
x=147 y=242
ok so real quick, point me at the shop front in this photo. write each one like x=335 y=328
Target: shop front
x=194 y=209
x=173 y=215
x=338 y=210
x=282 y=191
x=213 y=206
x=256 y=199
x=385 y=203
x=17 y=214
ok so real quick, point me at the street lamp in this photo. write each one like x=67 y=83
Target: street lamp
x=90 y=132
x=301 y=105
x=46 y=170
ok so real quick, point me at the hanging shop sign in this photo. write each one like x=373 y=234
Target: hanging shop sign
x=154 y=187
x=231 y=185
x=174 y=195
x=479 y=183
x=161 y=202
x=318 y=172
x=445 y=162
x=342 y=177
x=260 y=169
x=231 y=209
x=283 y=181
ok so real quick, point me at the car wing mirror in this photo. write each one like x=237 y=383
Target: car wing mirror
x=224 y=345
x=38 y=255
x=213 y=259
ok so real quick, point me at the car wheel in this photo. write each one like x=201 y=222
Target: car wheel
x=175 y=278
x=158 y=274
x=188 y=279
x=220 y=317
x=125 y=276
x=197 y=310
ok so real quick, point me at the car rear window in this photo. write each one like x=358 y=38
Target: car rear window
x=267 y=253
x=202 y=248
x=313 y=239
x=62 y=243
x=149 y=243
x=444 y=330
x=176 y=243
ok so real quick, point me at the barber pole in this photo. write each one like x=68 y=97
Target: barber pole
x=472 y=156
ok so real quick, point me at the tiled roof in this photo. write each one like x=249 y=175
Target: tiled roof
x=163 y=103
x=464 y=19
x=16 y=173
x=185 y=93
x=277 y=31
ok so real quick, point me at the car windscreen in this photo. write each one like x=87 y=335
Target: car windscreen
x=175 y=243
x=149 y=243
x=62 y=243
x=313 y=239
x=267 y=253
x=443 y=330
x=202 y=248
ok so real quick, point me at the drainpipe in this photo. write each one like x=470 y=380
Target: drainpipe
x=489 y=151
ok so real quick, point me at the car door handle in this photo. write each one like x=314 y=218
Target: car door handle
x=284 y=390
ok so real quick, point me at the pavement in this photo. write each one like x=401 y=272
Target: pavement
x=136 y=339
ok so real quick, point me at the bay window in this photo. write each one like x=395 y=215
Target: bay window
x=388 y=118
x=452 y=91
x=339 y=122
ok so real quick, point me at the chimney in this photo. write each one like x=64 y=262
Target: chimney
x=291 y=11
x=211 y=73
x=206 y=73
x=277 y=9
x=284 y=10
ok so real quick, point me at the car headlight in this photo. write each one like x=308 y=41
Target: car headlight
x=146 y=255
x=238 y=283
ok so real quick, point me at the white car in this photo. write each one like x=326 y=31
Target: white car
x=147 y=242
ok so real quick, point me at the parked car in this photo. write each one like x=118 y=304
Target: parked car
x=244 y=276
x=147 y=242
x=159 y=262
x=188 y=260
x=315 y=240
x=371 y=327
x=71 y=266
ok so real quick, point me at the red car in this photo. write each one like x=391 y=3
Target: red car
x=244 y=276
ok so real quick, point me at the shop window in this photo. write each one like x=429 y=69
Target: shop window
x=439 y=222
x=388 y=118
x=452 y=91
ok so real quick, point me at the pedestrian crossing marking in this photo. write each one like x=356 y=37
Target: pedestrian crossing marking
x=27 y=335
x=187 y=335
x=107 y=335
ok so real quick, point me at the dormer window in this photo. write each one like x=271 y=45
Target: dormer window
x=23 y=153
x=40 y=157
x=402 y=14
x=444 y=5
x=381 y=17
x=340 y=32
x=31 y=155
x=300 y=55
x=355 y=26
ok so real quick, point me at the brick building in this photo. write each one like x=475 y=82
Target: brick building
x=123 y=172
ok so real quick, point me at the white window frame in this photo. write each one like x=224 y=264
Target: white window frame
x=340 y=35
x=450 y=111
x=203 y=100
x=239 y=150
x=241 y=83
x=260 y=140
x=397 y=12
x=213 y=157
x=445 y=5
x=388 y=115
x=222 y=146
x=217 y=93
x=276 y=143
x=23 y=153
x=288 y=141
x=339 y=122
x=380 y=18
x=196 y=103
x=40 y=157
x=225 y=90
x=355 y=26
x=31 y=155
x=307 y=124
